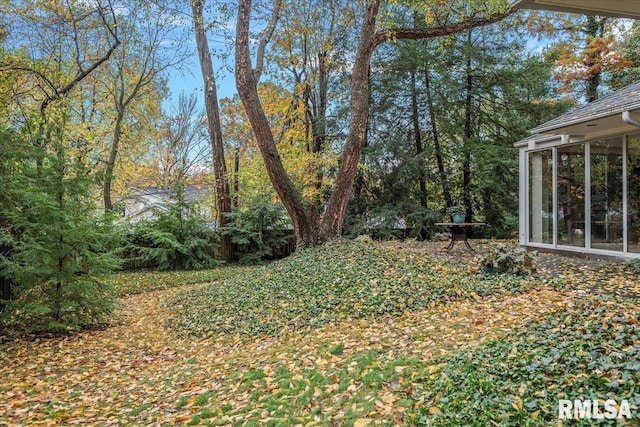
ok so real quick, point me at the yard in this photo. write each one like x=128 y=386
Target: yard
x=356 y=333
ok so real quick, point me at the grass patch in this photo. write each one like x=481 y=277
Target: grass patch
x=354 y=388
x=588 y=351
x=341 y=280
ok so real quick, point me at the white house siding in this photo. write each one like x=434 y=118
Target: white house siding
x=580 y=180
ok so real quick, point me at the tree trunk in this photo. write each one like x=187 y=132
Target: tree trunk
x=468 y=133
x=317 y=110
x=369 y=40
x=316 y=104
x=304 y=220
x=236 y=178
x=417 y=135
x=111 y=162
x=337 y=206
x=223 y=195
x=442 y=173
x=594 y=29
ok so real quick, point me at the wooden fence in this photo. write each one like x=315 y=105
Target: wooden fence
x=6 y=291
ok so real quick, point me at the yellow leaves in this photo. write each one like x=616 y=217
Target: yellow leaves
x=139 y=362
x=362 y=422
x=19 y=403
x=388 y=398
x=518 y=404
x=514 y=352
x=327 y=45
x=522 y=389
x=434 y=410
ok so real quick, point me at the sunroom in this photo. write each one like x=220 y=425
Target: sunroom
x=580 y=180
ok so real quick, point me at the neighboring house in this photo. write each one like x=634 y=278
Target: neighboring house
x=145 y=203
x=580 y=173
x=580 y=179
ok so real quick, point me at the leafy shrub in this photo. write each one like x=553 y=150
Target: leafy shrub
x=259 y=230
x=508 y=259
x=55 y=273
x=633 y=266
x=179 y=239
x=391 y=222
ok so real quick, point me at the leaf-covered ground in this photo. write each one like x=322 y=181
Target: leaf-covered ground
x=470 y=351
x=341 y=282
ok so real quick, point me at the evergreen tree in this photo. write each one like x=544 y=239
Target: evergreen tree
x=630 y=51
x=59 y=245
x=179 y=239
x=444 y=117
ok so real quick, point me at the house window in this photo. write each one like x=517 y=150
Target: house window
x=633 y=194
x=541 y=196
x=571 y=195
x=606 y=195
x=585 y=196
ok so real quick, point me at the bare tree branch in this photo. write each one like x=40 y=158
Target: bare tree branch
x=445 y=30
x=265 y=38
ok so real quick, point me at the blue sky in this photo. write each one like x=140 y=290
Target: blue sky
x=189 y=78
x=190 y=81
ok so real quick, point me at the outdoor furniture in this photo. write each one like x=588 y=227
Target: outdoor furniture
x=459 y=233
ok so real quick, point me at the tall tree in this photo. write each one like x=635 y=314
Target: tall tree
x=312 y=48
x=182 y=147
x=630 y=51
x=585 y=49
x=307 y=225
x=246 y=82
x=475 y=125
x=58 y=245
x=135 y=75
x=81 y=39
x=223 y=192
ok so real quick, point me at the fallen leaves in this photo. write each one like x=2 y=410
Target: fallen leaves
x=517 y=379
x=341 y=281
x=362 y=371
x=137 y=372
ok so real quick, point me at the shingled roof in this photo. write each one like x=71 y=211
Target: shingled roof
x=617 y=8
x=625 y=99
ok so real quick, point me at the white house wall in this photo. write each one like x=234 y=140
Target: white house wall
x=529 y=201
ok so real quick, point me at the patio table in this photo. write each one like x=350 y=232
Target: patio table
x=459 y=233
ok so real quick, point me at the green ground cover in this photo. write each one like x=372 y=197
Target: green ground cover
x=353 y=333
x=343 y=280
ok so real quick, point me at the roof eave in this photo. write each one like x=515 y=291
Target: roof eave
x=535 y=139
x=559 y=126
x=584 y=7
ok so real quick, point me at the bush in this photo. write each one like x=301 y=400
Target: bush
x=337 y=281
x=179 y=239
x=259 y=231
x=587 y=350
x=632 y=266
x=508 y=259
